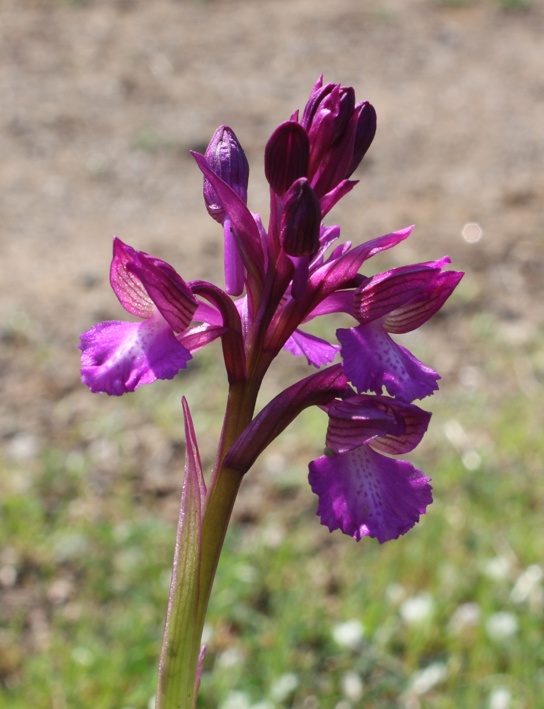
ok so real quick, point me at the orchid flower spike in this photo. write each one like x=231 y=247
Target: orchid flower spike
x=278 y=278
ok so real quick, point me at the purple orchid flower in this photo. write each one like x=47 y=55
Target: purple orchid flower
x=396 y=301
x=286 y=275
x=361 y=491
x=119 y=356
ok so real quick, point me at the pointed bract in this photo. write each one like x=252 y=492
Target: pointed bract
x=179 y=662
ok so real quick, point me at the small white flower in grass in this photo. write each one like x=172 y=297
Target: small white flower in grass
x=272 y=535
x=465 y=616
x=352 y=686
x=231 y=657
x=349 y=634
x=496 y=569
x=207 y=634
x=246 y=573
x=472 y=460
x=236 y=700
x=501 y=626
x=82 y=656
x=417 y=609
x=528 y=587
x=395 y=593
x=500 y=698
x=426 y=679
x=284 y=686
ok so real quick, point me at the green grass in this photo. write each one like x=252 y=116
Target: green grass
x=86 y=550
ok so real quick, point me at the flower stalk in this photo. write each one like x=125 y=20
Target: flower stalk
x=278 y=279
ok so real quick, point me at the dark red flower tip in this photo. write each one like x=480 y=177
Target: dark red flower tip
x=301 y=219
x=286 y=156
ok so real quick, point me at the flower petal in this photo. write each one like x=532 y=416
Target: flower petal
x=339 y=272
x=335 y=195
x=316 y=350
x=167 y=290
x=387 y=425
x=127 y=285
x=117 y=357
x=364 y=493
x=407 y=296
x=373 y=360
x=358 y=420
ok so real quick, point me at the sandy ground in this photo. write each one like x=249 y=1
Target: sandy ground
x=101 y=101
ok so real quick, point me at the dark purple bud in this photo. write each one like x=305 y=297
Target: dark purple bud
x=227 y=159
x=330 y=118
x=364 y=134
x=327 y=116
x=301 y=220
x=286 y=156
x=319 y=92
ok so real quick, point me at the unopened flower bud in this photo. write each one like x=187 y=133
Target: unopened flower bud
x=340 y=133
x=364 y=134
x=227 y=159
x=286 y=156
x=300 y=223
x=327 y=116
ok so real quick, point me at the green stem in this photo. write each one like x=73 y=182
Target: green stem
x=223 y=490
x=196 y=567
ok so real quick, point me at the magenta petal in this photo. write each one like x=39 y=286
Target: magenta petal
x=372 y=360
x=387 y=425
x=364 y=493
x=127 y=285
x=335 y=195
x=416 y=422
x=360 y=419
x=167 y=289
x=316 y=350
x=408 y=295
x=338 y=272
x=117 y=357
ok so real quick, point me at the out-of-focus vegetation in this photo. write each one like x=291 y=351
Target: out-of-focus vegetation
x=450 y=615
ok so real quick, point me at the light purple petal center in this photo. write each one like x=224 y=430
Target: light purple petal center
x=117 y=357
x=364 y=493
x=372 y=360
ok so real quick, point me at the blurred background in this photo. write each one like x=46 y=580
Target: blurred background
x=100 y=103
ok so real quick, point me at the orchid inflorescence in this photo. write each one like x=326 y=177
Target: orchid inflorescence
x=277 y=280
x=291 y=274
